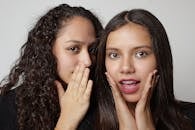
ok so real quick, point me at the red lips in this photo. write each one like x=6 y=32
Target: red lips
x=129 y=86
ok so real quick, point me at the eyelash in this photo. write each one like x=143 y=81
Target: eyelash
x=141 y=54
x=92 y=50
x=113 y=55
x=74 y=49
x=138 y=54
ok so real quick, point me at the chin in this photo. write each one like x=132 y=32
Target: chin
x=131 y=98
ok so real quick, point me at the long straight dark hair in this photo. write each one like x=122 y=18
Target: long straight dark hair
x=165 y=108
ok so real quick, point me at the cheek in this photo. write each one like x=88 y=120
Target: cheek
x=66 y=63
x=146 y=65
x=107 y=64
x=143 y=69
x=110 y=68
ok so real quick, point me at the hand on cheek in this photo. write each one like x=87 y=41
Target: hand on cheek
x=143 y=114
x=125 y=117
x=143 y=118
x=74 y=102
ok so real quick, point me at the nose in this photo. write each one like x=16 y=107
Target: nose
x=127 y=66
x=85 y=58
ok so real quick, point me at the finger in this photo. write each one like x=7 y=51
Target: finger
x=88 y=90
x=73 y=78
x=114 y=88
x=143 y=114
x=84 y=81
x=79 y=76
x=120 y=103
x=153 y=83
x=148 y=89
x=145 y=93
x=60 y=89
x=124 y=115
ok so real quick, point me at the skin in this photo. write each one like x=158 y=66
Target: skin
x=73 y=59
x=129 y=48
x=71 y=46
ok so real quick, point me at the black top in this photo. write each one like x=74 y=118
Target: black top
x=189 y=110
x=8 y=114
x=8 y=111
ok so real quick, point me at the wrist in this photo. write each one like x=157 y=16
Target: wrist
x=65 y=124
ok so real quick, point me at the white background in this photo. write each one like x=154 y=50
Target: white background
x=18 y=17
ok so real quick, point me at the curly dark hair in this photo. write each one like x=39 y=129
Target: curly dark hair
x=35 y=71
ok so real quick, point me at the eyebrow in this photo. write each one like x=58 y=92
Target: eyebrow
x=113 y=49
x=75 y=41
x=145 y=46
x=79 y=42
x=135 y=48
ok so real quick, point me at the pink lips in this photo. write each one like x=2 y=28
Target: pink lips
x=129 y=86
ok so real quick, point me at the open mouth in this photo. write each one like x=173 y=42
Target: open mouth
x=128 y=82
x=129 y=86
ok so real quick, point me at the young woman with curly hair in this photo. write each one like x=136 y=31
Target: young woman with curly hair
x=50 y=85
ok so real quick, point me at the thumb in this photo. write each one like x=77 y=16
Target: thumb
x=60 y=89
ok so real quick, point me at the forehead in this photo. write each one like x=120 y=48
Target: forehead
x=77 y=22
x=78 y=29
x=129 y=35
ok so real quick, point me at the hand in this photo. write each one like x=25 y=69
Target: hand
x=74 y=102
x=142 y=111
x=125 y=117
x=143 y=118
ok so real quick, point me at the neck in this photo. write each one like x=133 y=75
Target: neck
x=132 y=107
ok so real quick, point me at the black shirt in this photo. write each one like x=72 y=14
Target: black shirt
x=8 y=111
x=8 y=114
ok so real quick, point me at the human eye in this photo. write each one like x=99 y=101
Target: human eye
x=141 y=54
x=113 y=55
x=73 y=49
x=92 y=50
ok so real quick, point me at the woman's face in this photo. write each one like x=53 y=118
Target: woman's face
x=71 y=46
x=130 y=59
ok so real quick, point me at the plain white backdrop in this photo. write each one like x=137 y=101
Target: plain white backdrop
x=18 y=17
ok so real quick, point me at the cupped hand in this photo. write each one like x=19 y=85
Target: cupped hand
x=125 y=117
x=143 y=115
x=74 y=102
x=142 y=120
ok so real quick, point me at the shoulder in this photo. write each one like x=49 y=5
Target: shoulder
x=8 y=96
x=8 y=111
x=188 y=108
x=7 y=100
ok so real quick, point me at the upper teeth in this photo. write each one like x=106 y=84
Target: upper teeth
x=128 y=82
